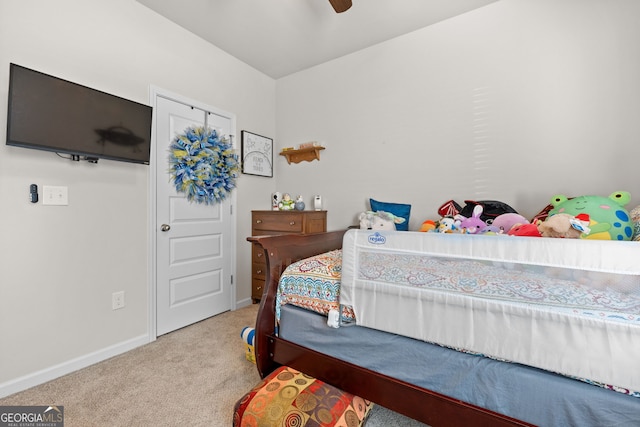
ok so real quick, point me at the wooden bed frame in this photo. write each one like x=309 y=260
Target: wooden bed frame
x=415 y=402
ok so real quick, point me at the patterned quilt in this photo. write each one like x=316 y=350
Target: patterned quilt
x=314 y=284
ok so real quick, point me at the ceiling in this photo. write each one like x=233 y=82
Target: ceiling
x=281 y=37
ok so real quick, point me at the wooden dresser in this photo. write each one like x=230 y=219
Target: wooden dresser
x=279 y=222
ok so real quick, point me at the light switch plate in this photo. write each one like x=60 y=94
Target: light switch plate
x=55 y=195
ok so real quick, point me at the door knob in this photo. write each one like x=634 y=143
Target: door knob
x=165 y=227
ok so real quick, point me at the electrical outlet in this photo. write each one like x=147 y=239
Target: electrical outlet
x=117 y=300
x=55 y=196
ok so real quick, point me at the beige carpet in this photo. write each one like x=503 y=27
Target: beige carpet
x=190 y=377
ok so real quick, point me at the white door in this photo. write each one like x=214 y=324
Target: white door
x=193 y=241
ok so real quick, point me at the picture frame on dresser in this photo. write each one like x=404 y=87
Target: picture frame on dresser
x=256 y=152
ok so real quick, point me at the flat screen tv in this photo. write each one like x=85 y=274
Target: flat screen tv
x=49 y=113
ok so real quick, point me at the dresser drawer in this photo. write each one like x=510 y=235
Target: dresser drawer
x=257 y=288
x=286 y=222
x=259 y=270
x=315 y=222
x=257 y=255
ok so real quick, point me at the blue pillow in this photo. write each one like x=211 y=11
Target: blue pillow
x=398 y=209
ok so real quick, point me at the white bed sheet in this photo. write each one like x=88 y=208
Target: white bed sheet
x=536 y=315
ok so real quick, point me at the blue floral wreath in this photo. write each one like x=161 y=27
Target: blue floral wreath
x=203 y=165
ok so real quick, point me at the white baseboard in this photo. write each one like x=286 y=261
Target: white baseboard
x=53 y=372
x=243 y=303
x=57 y=371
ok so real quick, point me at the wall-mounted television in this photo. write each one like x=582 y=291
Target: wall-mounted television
x=75 y=121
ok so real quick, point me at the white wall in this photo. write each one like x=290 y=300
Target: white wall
x=60 y=265
x=516 y=101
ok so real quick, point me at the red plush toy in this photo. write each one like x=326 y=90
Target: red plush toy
x=529 y=230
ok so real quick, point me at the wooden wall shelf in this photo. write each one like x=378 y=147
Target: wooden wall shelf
x=307 y=154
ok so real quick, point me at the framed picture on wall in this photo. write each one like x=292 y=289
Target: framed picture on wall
x=257 y=154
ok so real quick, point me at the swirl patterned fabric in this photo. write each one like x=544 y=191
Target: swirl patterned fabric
x=289 y=398
x=314 y=284
x=610 y=296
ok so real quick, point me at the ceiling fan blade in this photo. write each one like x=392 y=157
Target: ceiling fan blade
x=340 y=5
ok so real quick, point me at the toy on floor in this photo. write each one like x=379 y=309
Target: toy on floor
x=379 y=220
x=248 y=335
x=608 y=219
x=288 y=397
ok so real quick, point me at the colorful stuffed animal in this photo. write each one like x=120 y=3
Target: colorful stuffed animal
x=490 y=230
x=428 y=225
x=609 y=220
x=286 y=204
x=505 y=222
x=366 y=220
x=564 y=226
x=490 y=209
x=448 y=225
x=473 y=224
x=379 y=220
x=528 y=230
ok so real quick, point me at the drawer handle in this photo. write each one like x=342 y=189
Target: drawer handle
x=259 y=271
x=258 y=221
x=258 y=288
x=292 y=223
x=260 y=254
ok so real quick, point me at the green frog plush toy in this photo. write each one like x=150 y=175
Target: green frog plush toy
x=608 y=219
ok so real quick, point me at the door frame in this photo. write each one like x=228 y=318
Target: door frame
x=154 y=93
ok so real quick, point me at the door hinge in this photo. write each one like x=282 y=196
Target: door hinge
x=232 y=279
x=230 y=209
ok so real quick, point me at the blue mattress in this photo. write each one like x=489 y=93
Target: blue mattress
x=529 y=394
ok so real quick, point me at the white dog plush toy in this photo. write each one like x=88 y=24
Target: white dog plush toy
x=379 y=220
